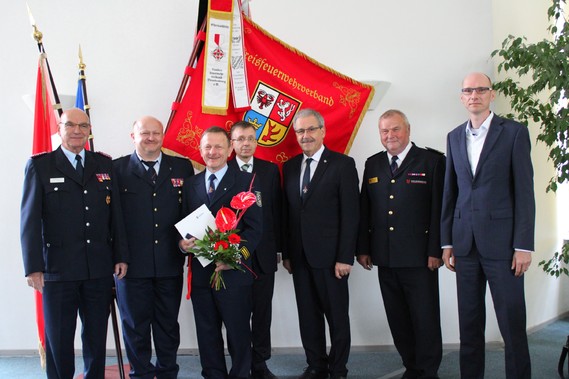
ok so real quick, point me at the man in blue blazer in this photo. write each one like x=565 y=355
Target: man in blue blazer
x=149 y=297
x=230 y=306
x=321 y=213
x=72 y=243
x=487 y=227
x=244 y=142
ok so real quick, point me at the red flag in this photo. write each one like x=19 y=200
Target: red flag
x=281 y=81
x=45 y=122
x=45 y=126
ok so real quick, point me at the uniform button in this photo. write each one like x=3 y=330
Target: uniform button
x=154 y=194
x=56 y=189
x=426 y=232
x=85 y=192
x=390 y=212
x=391 y=196
x=392 y=180
x=86 y=208
x=155 y=209
x=125 y=190
x=391 y=228
x=87 y=224
x=88 y=241
x=48 y=244
x=155 y=225
x=156 y=242
x=179 y=192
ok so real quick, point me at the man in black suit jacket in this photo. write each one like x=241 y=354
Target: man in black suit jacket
x=72 y=243
x=321 y=213
x=149 y=297
x=244 y=142
x=230 y=305
x=487 y=227
x=400 y=205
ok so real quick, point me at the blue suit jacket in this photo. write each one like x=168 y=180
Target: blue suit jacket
x=495 y=208
x=71 y=229
x=150 y=212
x=251 y=227
x=325 y=226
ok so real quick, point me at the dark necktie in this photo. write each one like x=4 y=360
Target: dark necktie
x=245 y=167
x=79 y=166
x=306 y=178
x=393 y=165
x=151 y=172
x=211 y=188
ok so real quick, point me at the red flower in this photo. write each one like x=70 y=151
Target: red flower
x=234 y=238
x=225 y=220
x=243 y=200
x=223 y=244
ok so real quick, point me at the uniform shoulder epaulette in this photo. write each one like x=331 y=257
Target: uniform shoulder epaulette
x=104 y=154
x=434 y=150
x=39 y=154
x=376 y=154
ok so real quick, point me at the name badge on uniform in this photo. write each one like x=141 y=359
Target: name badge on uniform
x=373 y=180
x=56 y=180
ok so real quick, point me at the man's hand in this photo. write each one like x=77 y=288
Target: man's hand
x=287 y=265
x=521 y=262
x=120 y=270
x=35 y=280
x=434 y=263
x=187 y=244
x=221 y=267
x=365 y=261
x=342 y=269
x=448 y=258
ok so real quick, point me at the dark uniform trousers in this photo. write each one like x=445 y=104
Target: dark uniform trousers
x=149 y=296
x=72 y=231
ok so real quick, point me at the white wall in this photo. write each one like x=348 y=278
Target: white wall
x=136 y=51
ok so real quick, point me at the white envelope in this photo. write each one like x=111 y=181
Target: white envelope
x=195 y=225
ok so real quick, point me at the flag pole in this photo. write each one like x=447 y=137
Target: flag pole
x=198 y=44
x=86 y=106
x=38 y=36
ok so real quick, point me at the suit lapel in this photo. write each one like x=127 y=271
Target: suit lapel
x=461 y=136
x=165 y=170
x=225 y=185
x=136 y=167
x=320 y=170
x=491 y=138
x=199 y=188
x=406 y=162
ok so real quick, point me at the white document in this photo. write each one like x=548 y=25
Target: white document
x=195 y=225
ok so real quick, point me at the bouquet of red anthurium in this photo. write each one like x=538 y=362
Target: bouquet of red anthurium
x=222 y=245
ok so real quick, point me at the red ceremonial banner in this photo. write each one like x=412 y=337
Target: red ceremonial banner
x=281 y=81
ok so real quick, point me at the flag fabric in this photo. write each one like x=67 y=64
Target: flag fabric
x=79 y=99
x=281 y=81
x=45 y=119
x=45 y=128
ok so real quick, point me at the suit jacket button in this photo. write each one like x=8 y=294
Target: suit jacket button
x=391 y=228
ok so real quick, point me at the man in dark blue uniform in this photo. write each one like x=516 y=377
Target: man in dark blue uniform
x=230 y=306
x=72 y=243
x=400 y=206
x=150 y=185
x=244 y=142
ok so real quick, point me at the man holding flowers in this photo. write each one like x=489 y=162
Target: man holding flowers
x=221 y=291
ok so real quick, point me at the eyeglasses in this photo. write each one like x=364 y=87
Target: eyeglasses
x=243 y=139
x=479 y=90
x=310 y=130
x=72 y=125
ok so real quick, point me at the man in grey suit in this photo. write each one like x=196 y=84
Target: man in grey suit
x=487 y=227
x=321 y=208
